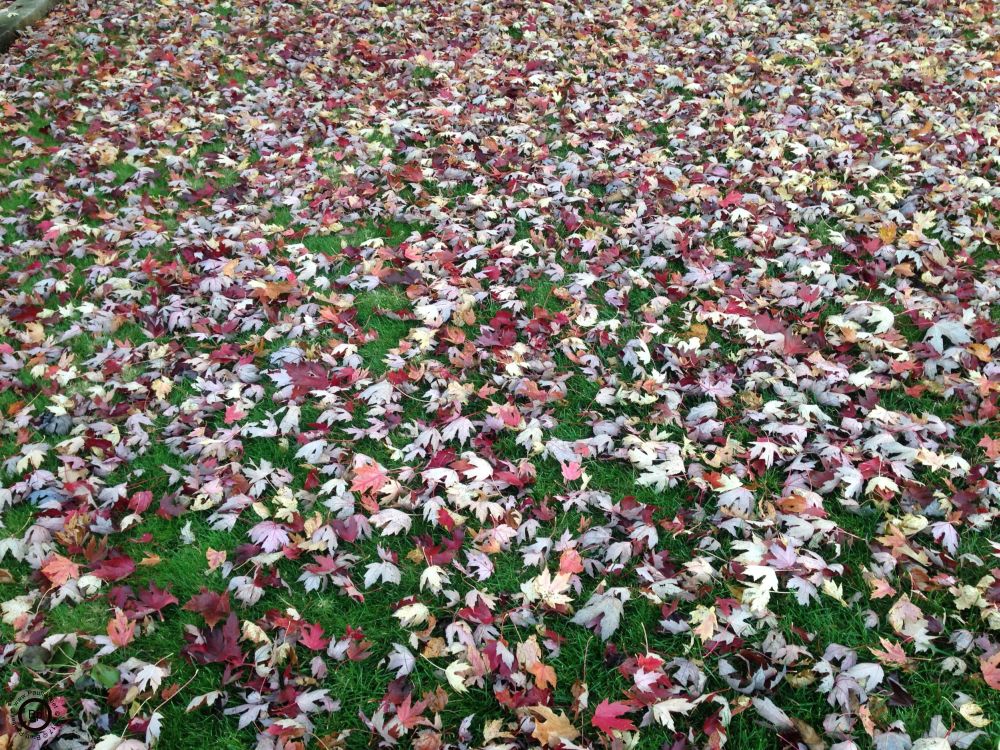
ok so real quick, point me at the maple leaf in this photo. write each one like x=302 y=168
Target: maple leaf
x=705 y=621
x=477 y=469
x=608 y=717
x=233 y=414
x=381 y=571
x=306 y=377
x=411 y=172
x=59 y=570
x=603 y=611
x=953 y=330
x=115 y=567
x=458 y=429
x=551 y=728
x=974 y=714
x=249 y=712
x=545 y=676
x=203 y=700
x=217 y=644
x=571 y=471
x=401 y=660
x=150 y=677
x=664 y=711
x=312 y=701
x=120 y=630
x=908 y=620
x=368 y=478
x=153 y=728
x=114 y=742
x=212 y=607
x=272 y=290
x=410 y=714
x=312 y=637
x=893 y=655
x=391 y=521
x=411 y=615
x=550 y=590
x=269 y=535
x=155 y=599
x=455 y=675
x=990 y=667
x=991 y=446
x=215 y=558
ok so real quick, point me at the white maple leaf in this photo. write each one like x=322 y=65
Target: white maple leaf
x=664 y=710
x=608 y=606
x=480 y=470
x=391 y=521
x=269 y=535
x=384 y=571
x=953 y=330
x=312 y=700
x=411 y=615
x=459 y=428
x=455 y=679
x=881 y=317
x=150 y=677
x=249 y=712
x=378 y=393
x=153 y=728
x=402 y=660
x=205 y=699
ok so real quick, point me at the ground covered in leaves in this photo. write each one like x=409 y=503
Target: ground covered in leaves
x=502 y=375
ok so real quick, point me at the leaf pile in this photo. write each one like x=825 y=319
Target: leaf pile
x=502 y=374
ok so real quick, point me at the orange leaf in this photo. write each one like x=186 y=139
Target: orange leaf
x=120 y=630
x=368 y=477
x=59 y=570
x=982 y=352
x=544 y=675
x=570 y=562
x=552 y=728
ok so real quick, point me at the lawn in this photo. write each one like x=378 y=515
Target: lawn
x=501 y=375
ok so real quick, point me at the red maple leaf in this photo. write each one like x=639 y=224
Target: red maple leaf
x=608 y=717
x=368 y=477
x=155 y=599
x=733 y=198
x=210 y=605
x=233 y=413
x=114 y=567
x=410 y=714
x=306 y=377
x=312 y=637
x=216 y=645
x=411 y=172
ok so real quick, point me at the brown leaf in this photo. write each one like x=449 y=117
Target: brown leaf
x=552 y=728
x=809 y=736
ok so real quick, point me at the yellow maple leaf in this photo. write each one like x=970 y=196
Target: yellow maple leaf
x=552 y=728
